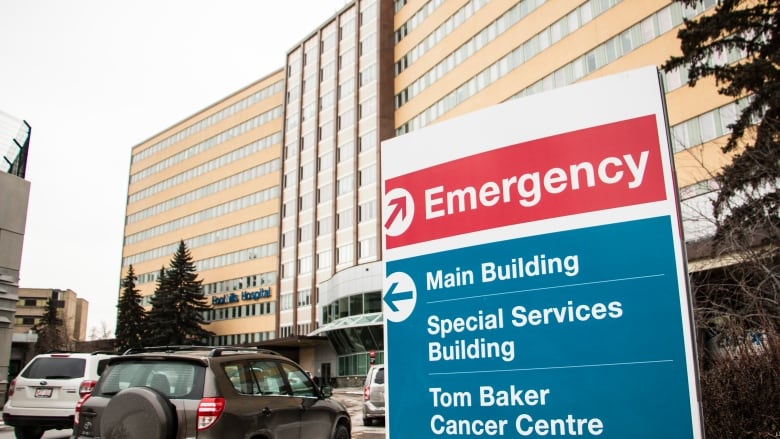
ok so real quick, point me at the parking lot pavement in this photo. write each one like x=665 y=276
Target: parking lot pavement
x=352 y=398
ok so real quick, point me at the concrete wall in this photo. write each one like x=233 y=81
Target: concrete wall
x=14 y=196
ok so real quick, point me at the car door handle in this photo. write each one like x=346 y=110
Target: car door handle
x=266 y=412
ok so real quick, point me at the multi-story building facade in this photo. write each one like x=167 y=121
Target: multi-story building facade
x=14 y=191
x=338 y=109
x=71 y=309
x=212 y=180
x=30 y=308
x=381 y=68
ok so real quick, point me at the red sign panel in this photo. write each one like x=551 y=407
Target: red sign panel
x=592 y=169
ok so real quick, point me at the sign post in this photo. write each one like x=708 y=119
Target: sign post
x=535 y=280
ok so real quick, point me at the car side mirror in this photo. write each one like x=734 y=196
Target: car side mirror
x=326 y=391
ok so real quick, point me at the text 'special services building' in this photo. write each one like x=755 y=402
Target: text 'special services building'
x=276 y=189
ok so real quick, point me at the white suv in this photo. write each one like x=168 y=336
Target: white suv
x=45 y=394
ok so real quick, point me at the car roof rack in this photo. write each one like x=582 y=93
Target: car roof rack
x=104 y=353
x=214 y=351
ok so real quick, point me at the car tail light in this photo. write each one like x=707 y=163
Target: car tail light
x=11 y=388
x=209 y=411
x=86 y=387
x=365 y=393
x=78 y=408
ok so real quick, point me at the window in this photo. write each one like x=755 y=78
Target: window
x=324 y=259
x=324 y=225
x=285 y=301
x=305 y=201
x=325 y=193
x=325 y=161
x=345 y=152
x=344 y=185
x=367 y=176
x=367 y=248
x=300 y=384
x=267 y=377
x=344 y=219
x=287 y=270
x=304 y=297
x=367 y=211
x=344 y=254
x=304 y=232
x=304 y=266
x=287 y=240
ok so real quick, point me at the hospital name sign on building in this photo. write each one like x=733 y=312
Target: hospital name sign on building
x=535 y=279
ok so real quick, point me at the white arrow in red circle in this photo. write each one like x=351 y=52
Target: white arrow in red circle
x=398 y=211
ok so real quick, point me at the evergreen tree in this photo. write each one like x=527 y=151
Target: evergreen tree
x=188 y=298
x=160 y=321
x=748 y=193
x=131 y=317
x=50 y=330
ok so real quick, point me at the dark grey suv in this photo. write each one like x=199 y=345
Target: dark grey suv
x=195 y=392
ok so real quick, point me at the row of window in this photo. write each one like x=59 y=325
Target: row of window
x=209 y=143
x=223 y=260
x=707 y=126
x=234 y=339
x=355 y=305
x=205 y=191
x=352 y=346
x=344 y=186
x=230 y=232
x=205 y=214
x=679 y=76
x=304 y=299
x=301 y=328
x=616 y=47
x=367 y=211
x=211 y=165
x=416 y=19
x=367 y=250
x=241 y=283
x=435 y=37
x=237 y=312
x=33 y=302
x=629 y=40
x=547 y=37
x=211 y=120
x=26 y=320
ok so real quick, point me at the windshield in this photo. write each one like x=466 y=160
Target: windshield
x=173 y=379
x=55 y=368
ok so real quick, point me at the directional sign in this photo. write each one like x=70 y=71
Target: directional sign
x=399 y=211
x=535 y=281
x=400 y=296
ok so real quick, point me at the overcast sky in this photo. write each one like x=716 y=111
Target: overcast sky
x=94 y=78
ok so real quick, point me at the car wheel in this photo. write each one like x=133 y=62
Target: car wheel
x=138 y=413
x=342 y=432
x=28 y=432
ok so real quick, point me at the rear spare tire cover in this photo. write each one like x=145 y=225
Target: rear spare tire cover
x=138 y=413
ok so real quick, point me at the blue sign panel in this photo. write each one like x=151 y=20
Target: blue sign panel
x=575 y=333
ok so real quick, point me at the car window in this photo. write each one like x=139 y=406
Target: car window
x=268 y=377
x=242 y=379
x=174 y=379
x=380 y=376
x=300 y=383
x=55 y=368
